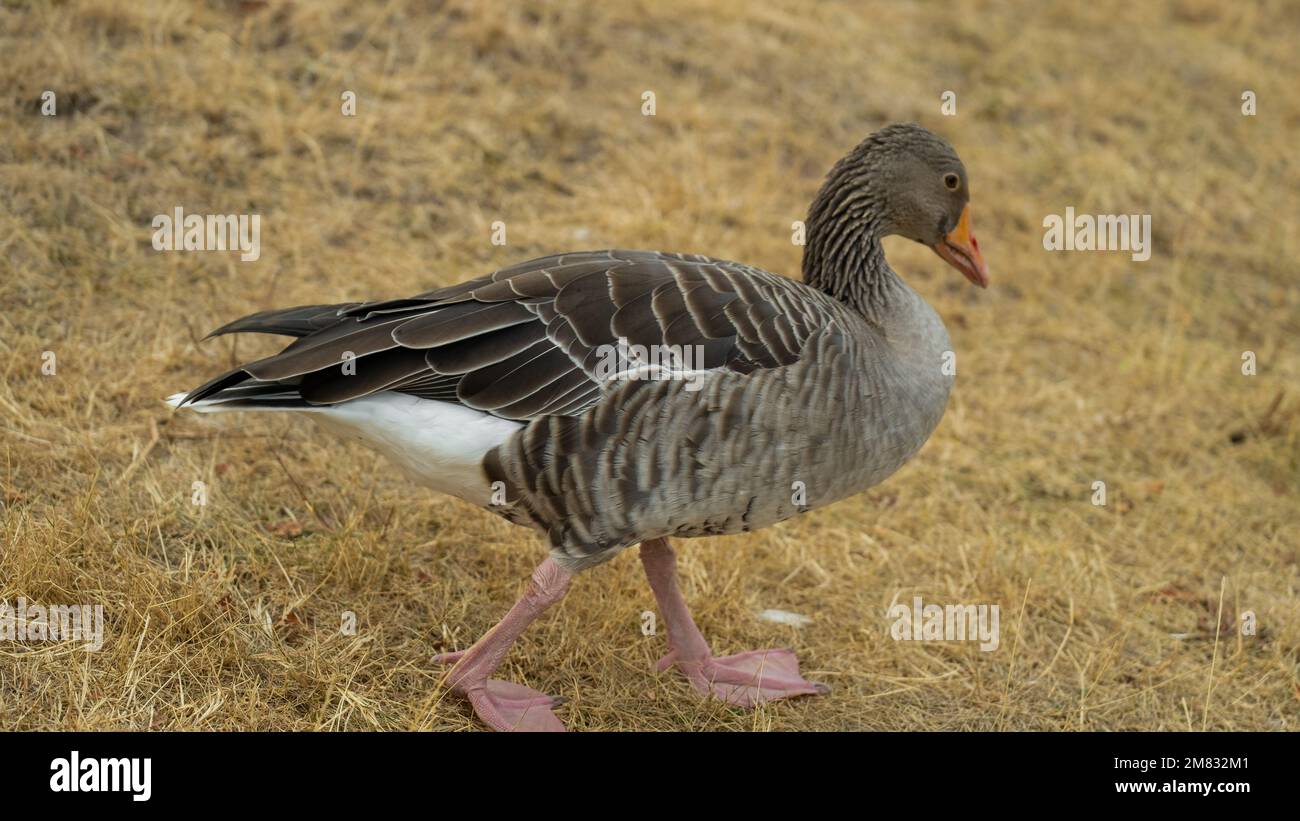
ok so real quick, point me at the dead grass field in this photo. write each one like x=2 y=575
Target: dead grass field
x=1073 y=367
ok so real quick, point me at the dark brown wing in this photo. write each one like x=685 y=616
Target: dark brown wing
x=526 y=341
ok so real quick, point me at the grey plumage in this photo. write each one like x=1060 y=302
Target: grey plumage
x=810 y=392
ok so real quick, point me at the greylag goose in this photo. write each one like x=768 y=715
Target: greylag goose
x=499 y=391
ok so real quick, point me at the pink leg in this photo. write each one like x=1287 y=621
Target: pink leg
x=744 y=679
x=503 y=705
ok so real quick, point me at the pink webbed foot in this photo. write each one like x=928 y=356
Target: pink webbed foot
x=747 y=679
x=505 y=706
x=509 y=707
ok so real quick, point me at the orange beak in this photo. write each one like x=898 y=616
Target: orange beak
x=961 y=250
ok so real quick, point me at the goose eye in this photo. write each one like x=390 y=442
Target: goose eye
x=952 y=181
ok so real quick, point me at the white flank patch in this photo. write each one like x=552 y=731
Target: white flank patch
x=440 y=445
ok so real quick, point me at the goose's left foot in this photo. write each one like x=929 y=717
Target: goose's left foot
x=513 y=708
x=747 y=679
x=505 y=705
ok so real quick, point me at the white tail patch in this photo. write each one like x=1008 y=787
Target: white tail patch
x=440 y=445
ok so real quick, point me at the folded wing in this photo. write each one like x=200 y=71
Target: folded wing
x=525 y=341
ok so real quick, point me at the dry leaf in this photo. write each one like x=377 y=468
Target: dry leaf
x=288 y=529
x=1174 y=593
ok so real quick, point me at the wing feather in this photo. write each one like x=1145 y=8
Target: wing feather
x=524 y=342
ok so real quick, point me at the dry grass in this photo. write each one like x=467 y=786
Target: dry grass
x=1073 y=367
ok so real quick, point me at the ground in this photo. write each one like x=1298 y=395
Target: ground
x=1072 y=368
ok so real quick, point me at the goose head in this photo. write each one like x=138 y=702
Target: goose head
x=927 y=197
x=903 y=180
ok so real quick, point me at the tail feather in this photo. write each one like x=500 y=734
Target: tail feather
x=214 y=385
x=297 y=321
x=248 y=387
x=265 y=396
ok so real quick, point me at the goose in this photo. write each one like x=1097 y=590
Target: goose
x=499 y=390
